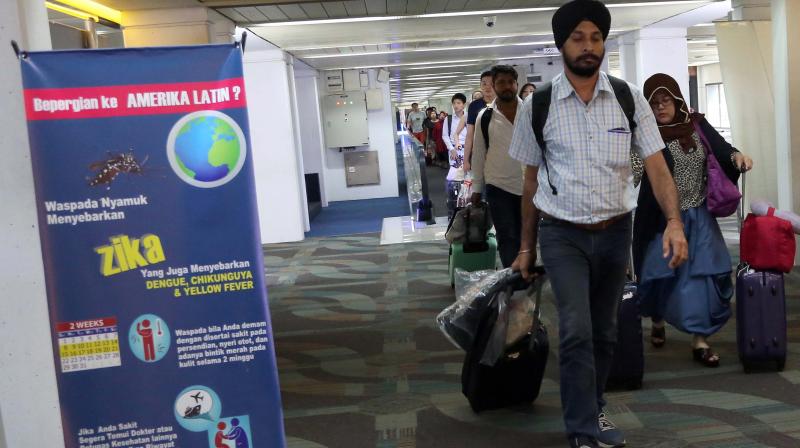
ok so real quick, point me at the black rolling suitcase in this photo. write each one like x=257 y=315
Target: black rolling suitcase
x=517 y=375
x=627 y=369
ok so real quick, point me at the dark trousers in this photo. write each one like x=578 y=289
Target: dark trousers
x=506 y=210
x=587 y=272
x=453 y=188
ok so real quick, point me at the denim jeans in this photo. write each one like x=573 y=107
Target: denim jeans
x=506 y=209
x=587 y=273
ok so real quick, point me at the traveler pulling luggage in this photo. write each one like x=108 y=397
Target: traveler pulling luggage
x=513 y=374
x=760 y=304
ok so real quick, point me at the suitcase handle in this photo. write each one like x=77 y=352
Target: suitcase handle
x=740 y=211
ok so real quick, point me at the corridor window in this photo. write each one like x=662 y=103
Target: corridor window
x=717 y=107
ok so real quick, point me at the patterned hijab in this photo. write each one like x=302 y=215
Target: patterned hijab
x=682 y=127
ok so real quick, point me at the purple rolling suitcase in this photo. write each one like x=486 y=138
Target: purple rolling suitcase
x=760 y=313
x=760 y=317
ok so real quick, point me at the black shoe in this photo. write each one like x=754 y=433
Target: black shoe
x=582 y=442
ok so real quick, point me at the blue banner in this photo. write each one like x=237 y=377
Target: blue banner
x=149 y=228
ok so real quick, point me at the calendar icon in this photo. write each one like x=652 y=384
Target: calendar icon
x=88 y=344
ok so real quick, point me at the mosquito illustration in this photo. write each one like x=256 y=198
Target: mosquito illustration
x=115 y=164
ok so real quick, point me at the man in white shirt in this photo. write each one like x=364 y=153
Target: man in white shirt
x=455 y=149
x=493 y=167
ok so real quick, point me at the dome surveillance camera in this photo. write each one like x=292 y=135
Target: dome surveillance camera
x=489 y=21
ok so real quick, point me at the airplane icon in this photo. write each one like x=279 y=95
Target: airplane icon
x=198 y=397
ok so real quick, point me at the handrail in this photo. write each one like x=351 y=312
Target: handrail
x=416 y=175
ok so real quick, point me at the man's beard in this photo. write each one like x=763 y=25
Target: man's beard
x=583 y=70
x=507 y=96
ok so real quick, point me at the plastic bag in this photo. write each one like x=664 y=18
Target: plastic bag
x=517 y=317
x=459 y=321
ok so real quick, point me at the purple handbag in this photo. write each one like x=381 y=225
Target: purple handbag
x=722 y=195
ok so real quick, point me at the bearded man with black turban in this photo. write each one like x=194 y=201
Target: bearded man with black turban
x=582 y=216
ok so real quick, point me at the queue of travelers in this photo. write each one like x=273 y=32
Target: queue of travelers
x=553 y=192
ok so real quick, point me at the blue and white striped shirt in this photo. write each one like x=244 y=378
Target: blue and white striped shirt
x=588 y=151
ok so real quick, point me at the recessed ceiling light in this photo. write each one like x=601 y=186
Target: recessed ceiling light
x=420 y=50
x=403 y=64
x=460 y=14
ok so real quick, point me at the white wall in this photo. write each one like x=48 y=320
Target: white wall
x=706 y=74
x=28 y=396
x=310 y=125
x=277 y=160
x=381 y=139
x=745 y=54
x=662 y=50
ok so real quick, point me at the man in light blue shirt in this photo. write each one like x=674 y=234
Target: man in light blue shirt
x=582 y=216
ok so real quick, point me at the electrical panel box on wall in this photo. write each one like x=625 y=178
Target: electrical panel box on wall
x=346 y=120
x=333 y=81
x=374 y=99
x=362 y=168
x=351 y=80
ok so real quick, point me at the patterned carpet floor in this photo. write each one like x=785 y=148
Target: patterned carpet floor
x=362 y=364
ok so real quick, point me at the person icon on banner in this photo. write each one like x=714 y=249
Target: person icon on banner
x=146 y=333
x=238 y=435
x=219 y=438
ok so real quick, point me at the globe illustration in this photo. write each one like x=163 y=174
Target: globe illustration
x=206 y=148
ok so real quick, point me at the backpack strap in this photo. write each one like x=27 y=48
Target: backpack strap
x=540 y=108
x=449 y=122
x=625 y=99
x=486 y=118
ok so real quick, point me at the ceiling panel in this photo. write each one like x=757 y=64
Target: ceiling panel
x=484 y=4
x=395 y=7
x=252 y=13
x=455 y=5
x=272 y=12
x=376 y=7
x=335 y=9
x=416 y=6
x=294 y=12
x=232 y=14
x=355 y=8
x=435 y=6
x=314 y=10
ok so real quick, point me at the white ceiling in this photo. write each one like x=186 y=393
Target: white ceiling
x=423 y=47
x=409 y=35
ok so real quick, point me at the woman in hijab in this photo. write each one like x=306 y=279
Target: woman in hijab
x=695 y=298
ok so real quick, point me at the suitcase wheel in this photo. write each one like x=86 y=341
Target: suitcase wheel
x=781 y=364
x=633 y=384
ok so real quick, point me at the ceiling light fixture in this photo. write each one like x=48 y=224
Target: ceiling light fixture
x=71 y=12
x=460 y=14
x=403 y=64
x=698 y=64
x=421 y=50
x=94 y=9
x=413 y=41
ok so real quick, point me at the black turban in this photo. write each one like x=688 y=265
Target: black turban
x=569 y=16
